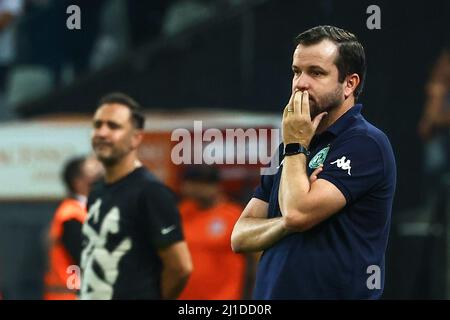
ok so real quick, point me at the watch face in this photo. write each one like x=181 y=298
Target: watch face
x=292 y=148
x=295 y=148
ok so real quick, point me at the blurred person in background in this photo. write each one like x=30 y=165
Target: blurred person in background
x=65 y=231
x=133 y=243
x=434 y=125
x=208 y=219
x=325 y=239
x=10 y=10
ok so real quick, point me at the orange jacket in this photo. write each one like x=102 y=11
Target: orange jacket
x=59 y=258
x=219 y=273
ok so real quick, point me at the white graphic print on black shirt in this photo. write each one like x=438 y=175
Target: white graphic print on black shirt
x=128 y=222
x=102 y=288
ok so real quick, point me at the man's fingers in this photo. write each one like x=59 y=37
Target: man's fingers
x=290 y=106
x=313 y=176
x=291 y=98
x=293 y=105
x=305 y=104
x=298 y=102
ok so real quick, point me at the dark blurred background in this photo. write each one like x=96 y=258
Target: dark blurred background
x=178 y=55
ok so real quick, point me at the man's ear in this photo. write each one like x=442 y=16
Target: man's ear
x=351 y=82
x=136 y=140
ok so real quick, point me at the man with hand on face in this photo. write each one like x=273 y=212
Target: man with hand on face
x=323 y=238
x=133 y=244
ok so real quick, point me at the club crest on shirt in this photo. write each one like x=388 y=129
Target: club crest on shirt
x=319 y=158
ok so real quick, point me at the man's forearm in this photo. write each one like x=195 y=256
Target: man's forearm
x=257 y=234
x=294 y=184
x=172 y=283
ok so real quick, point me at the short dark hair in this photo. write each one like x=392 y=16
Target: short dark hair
x=201 y=173
x=137 y=118
x=73 y=169
x=351 y=57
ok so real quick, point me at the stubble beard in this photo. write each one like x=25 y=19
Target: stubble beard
x=110 y=159
x=327 y=103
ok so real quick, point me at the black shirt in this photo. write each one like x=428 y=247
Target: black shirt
x=128 y=221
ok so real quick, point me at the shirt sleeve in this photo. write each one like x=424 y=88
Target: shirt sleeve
x=71 y=239
x=160 y=216
x=264 y=189
x=354 y=166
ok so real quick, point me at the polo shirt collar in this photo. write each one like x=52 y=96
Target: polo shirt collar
x=345 y=120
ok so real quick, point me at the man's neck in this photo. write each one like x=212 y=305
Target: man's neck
x=82 y=198
x=122 y=168
x=335 y=114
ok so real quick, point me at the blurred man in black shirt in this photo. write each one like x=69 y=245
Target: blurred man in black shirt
x=133 y=244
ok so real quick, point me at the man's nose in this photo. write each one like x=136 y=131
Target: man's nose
x=101 y=131
x=301 y=82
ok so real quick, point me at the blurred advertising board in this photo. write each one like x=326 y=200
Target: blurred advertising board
x=32 y=154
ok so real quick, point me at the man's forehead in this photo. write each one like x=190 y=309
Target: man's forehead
x=110 y=111
x=320 y=53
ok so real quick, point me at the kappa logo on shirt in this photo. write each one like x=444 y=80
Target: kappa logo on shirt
x=343 y=164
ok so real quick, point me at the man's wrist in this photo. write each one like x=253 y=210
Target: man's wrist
x=292 y=149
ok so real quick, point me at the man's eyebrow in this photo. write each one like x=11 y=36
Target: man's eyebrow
x=108 y=122
x=309 y=67
x=113 y=123
x=316 y=67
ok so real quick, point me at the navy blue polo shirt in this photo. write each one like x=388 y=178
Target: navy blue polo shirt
x=342 y=257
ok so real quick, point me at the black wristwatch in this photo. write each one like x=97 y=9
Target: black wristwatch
x=295 y=148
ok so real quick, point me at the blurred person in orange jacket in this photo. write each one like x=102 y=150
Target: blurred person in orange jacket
x=65 y=231
x=208 y=219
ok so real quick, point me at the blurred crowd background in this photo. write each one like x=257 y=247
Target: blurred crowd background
x=227 y=63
